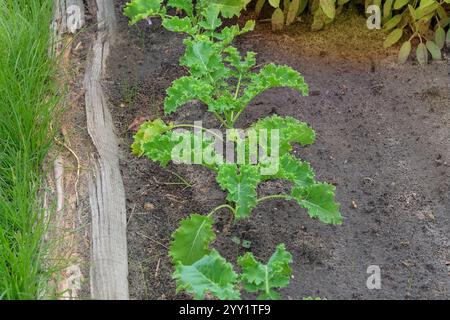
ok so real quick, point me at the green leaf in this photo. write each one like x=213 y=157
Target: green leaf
x=439 y=37
x=242 y=65
x=203 y=57
x=404 y=52
x=442 y=14
x=227 y=35
x=240 y=183
x=275 y=3
x=159 y=149
x=272 y=76
x=447 y=38
x=137 y=10
x=258 y=7
x=319 y=200
x=177 y=24
x=412 y=12
x=185 y=5
x=186 y=89
x=328 y=8
x=257 y=277
x=191 y=240
x=426 y=9
x=290 y=131
x=318 y=20
x=249 y=26
x=212 y=20
x=434 y=50
x=393 y=38
x=393 y=22
x=292 y=169
x=211 y=275
x=422 y=54
x=387 y=8
x=398 y=4
x=147 y=132
x=277 y=20
x=223 y=103
x=293 y=9
x=230 y=8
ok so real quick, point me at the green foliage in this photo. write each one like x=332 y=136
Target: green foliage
x=29 y=96
x=240 y=183
x=212 y=275
x=148 y=132
x=319 y=200
x=191 y=240
x=218 y=75
x=209 y=274
x=202 y=14
x=156 y=140
x=141 y=9
x=258 y=277
x=424 y=20
x=290 y=131
x=224 y=80
x=294 y=170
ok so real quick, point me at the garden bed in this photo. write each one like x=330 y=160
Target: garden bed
x=382 y=140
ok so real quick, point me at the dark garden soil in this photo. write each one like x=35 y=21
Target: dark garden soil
x=383 y=138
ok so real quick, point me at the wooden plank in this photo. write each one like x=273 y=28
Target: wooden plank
x=109 y=259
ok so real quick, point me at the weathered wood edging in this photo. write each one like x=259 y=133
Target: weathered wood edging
x=109 y=259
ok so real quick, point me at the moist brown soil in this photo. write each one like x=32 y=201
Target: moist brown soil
x=383 y=137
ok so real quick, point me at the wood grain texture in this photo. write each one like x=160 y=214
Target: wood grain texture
x=109 y=259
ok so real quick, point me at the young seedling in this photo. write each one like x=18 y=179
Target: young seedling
x=218 y=75
x=225 y=81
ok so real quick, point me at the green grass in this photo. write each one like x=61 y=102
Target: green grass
x=27 y=103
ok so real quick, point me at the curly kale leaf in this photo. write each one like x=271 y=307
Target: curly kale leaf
x=229 y=8
x=137 y=10
x=290 y=131
x=294 y=170
x=211 y=275
x=319 y=200
x=184 y=90
x=191 y=240
x=204 y=59
x=185 y=5
x=258 y=277
x=177 y=24
x=273 y=76
x=148 y=131
x=240 y=183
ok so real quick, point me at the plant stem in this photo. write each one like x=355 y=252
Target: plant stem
x=221 y=207
x=218 y=117
x=267 y=279
x=238 y=87
x=237 y=115
x=274 y=196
